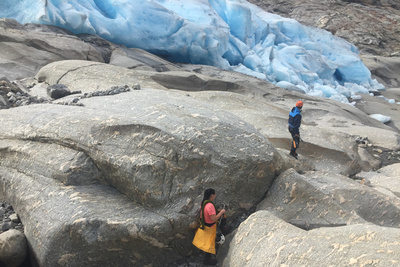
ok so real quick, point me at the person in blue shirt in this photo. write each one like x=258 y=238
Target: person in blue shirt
x=294 y=125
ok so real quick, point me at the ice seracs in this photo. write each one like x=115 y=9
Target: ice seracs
x=230 y=34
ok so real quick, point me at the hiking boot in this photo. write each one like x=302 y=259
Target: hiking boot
x=226 y=230
x=210 y=262
x=294 y=154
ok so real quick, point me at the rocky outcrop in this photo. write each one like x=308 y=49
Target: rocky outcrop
x=322 y=199
x=113 y=175
x=87 y=76
x=265 y=240
x=385 y=180
x=28 y=48
x=147 y=153
x=329 y=143
x=384 y=69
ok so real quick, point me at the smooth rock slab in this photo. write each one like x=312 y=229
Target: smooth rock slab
x=86 y=225
x=386 y=178
x=265 y=240
x=27 y=48
x=318 y=199
x=89 y=76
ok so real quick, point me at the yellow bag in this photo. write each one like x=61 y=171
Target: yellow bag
x=205 y=239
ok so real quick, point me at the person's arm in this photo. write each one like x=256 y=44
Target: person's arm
x=215 y=217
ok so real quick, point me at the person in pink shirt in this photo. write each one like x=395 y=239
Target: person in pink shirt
x=205 y=235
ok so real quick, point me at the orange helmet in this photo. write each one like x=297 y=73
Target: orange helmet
x=299 y=104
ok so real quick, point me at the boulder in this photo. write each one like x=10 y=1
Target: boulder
x=126 y=173
x=116 y=179
x=13 y=248
x=321 y=199
x=265 y=240
x=57 y=91
x=386 y=179
x=88 y=76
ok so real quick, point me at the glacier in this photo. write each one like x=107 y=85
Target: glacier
x=229 y=34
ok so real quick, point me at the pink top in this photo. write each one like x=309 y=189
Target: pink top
x=208 y=211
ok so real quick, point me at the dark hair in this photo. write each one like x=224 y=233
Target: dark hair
x=207 y=194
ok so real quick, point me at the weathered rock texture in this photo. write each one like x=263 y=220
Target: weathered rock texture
x=30 y=47
x=113 y=176
x=384 y=69
x=27 y=48
x=265 y=240
x=386 y=179
x=319 y=199
x=158 y=149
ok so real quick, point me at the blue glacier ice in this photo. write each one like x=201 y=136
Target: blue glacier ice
x=230 y=34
